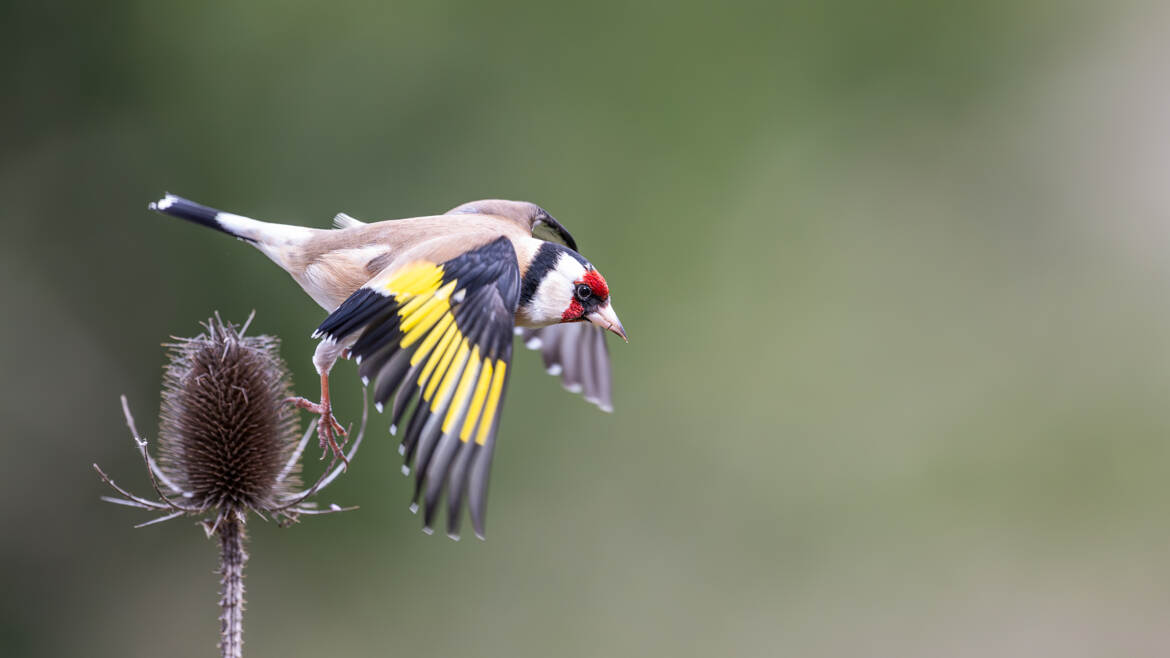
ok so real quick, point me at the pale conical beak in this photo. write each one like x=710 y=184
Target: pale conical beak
x=605 y=318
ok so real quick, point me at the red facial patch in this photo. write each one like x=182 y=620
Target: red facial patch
x=573 y=313
x=594 y=280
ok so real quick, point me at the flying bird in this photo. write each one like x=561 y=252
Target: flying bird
x=428 y=307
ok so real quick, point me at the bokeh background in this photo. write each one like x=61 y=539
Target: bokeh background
x=895 y=275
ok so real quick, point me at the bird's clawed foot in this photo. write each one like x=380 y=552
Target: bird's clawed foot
x=328 y=429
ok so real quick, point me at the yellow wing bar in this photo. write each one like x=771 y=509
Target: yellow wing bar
x=421 y=278
x=476 y=382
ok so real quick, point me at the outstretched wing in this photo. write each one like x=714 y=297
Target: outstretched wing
x=438 y=338
x=576 y=351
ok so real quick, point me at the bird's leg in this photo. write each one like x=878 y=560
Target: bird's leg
x=328 y=428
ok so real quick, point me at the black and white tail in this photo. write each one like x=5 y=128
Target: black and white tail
x=177 y=206
x=272 y=239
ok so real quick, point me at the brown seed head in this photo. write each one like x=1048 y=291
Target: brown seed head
x=225 y=431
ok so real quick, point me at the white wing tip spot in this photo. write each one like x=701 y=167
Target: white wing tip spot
x=428 y=529
x=378 y=406
x=555 y=369
x=393 y=431
x=405 y=469
x=414 y=508
x=534 y=343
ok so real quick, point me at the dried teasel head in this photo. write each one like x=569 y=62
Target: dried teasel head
x=228 y=445
x=228 y=438
x=226 y=432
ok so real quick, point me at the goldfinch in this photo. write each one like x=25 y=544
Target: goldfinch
x=427 y=307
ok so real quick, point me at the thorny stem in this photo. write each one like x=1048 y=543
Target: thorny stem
x=232 y=557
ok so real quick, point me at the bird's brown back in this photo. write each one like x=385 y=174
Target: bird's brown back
x=332 y=264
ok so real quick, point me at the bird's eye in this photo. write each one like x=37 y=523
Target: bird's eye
x=584 y=292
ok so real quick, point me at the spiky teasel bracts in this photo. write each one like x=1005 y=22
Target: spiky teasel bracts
x=229 y=445
x=226 y=432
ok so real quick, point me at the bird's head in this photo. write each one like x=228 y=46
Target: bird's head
x=561 y=286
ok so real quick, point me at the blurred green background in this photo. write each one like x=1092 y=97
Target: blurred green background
x=894 y=274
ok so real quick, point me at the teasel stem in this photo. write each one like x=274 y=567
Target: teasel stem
x=232 y=557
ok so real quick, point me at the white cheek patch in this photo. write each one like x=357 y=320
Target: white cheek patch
x=550 y=300
x=555 y=292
